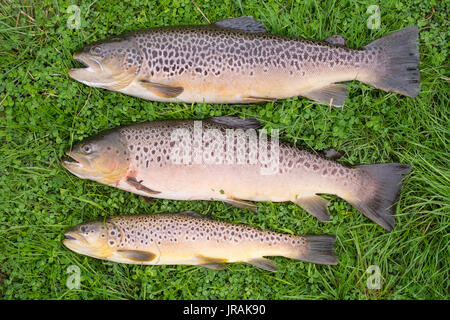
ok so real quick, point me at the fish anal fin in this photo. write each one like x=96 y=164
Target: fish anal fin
x=211 y=263
x=337 y=40
x=137 y=255
x=139 y=186
x=162 y=90
x=241 y=204
x=315 y=206
x=264 y=264
x=333 y=94
x=245 y=24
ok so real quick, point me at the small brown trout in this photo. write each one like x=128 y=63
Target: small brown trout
x=236 y=61
x=223 y=158
x=188 y=238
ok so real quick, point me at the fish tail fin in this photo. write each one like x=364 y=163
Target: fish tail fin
x=320 y=249
x=381 y=188
x=396 y=68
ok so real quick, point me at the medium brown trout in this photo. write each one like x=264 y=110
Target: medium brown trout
x=236 y=61
x=223 y=158
x=188 y=238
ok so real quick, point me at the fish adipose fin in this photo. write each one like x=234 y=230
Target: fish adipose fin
x=397 y=70
x=162 y=90
x=336 y=40
x=137 y=255
x=235 y=122
x=332 y=95
x=315 y=206
x=264 y=264
x=241 y=204
x=379 y=205
x=139 y=186
x=320 y=250
x=246 y=24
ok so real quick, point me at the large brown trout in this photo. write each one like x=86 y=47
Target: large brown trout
x=236 y=61
x=189 y=238
x=223 y=158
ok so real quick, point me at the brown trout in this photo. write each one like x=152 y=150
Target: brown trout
x=223 y=158
x=190 y=238
x=236 y=61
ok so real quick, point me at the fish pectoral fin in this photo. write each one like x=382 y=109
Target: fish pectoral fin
x=235 y=122
x=332 y=95
x=139 y=186
x=315 y=206
x=337 y=40
x=137 y=255
x=264 y=264
x=162 y=90
x=241 y=204
x=253 y=99
x=195 y=214
x=246 y=24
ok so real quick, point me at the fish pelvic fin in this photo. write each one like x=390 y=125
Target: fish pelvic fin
x=264 y=264
x=319 y=249
x=241 y=204
x=379 y=204
x=333 y=94
x=211 y=263
x=397 y=67
x=162 y=90
x=315 y=206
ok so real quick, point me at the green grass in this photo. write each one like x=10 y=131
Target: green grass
x=43 y=112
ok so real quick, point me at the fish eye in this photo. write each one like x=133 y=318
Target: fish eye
x=83 y=229
x=96 y=50
x=86 y=148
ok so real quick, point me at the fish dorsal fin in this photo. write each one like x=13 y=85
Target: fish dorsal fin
x=162 y=90
x=264 y=264
x=315 y=206
x=246 y=24
x=137 y=255
x=235 y=122
x=336 y=40
x=333 y=94
x=195 y=214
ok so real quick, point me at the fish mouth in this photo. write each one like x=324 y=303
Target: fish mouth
x=92 y=72
x=76 y=165
x=73 y=241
